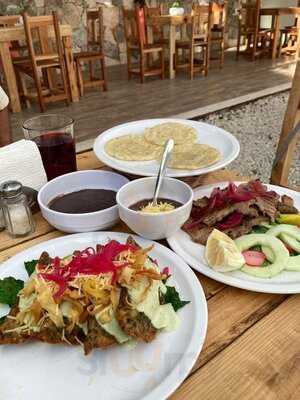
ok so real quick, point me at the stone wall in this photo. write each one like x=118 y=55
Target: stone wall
x=73 y=12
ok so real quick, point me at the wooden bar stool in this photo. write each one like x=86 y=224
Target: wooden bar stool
x=136 y=43
x=45 y=58
x=94 y=52
x=199 y=32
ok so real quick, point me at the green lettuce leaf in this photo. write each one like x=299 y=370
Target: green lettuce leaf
x=30 y=266
x=172 y=296
x=9 y=289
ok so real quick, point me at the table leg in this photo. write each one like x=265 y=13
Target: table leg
x=276 y=37
x=172 y=39
x=10 y=77
x=67 y=40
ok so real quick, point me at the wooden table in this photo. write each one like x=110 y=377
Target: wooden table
x=17 y=33
x=276 y=13
x=171 y=21
x=253 y=339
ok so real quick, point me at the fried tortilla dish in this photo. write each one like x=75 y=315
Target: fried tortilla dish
x=95 y=298
x=236 y=210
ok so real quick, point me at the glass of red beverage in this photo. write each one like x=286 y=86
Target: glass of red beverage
x=54 y=136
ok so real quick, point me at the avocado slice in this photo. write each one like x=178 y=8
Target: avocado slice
x=281 y=254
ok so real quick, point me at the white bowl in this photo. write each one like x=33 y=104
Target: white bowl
x=155 y=226
x=75 y=181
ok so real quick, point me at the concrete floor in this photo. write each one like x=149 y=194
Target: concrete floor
x=129 y=100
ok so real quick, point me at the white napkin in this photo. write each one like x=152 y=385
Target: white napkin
x=21 y=161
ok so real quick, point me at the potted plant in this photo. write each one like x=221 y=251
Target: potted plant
x=176 y=8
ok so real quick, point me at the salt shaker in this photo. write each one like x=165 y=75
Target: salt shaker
x=17 y=214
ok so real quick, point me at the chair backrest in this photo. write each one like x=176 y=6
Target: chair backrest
x=249 y=15
x=40 y=45
x=157 y=30
x=219 y=13
x=135 y=26
x=202 y=21
x=280 y=171
x=95 y=29
x=9 y=21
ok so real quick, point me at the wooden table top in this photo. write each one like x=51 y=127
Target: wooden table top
x=280 y=11
x=252 y=345
x=169 y=19
x=18 y=33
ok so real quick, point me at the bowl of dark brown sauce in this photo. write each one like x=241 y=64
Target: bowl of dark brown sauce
x=82 y=201
x=158 y=221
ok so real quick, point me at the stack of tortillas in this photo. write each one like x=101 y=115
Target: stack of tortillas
x=187 y=154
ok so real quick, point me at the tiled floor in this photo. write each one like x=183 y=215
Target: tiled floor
x=126 y=101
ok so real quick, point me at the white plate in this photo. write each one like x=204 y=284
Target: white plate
x=149 y=371
x=226 y=143
x=193 y=254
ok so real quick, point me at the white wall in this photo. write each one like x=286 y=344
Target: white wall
x=284 y=20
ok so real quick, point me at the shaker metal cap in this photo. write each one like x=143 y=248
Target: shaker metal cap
x=10 y=189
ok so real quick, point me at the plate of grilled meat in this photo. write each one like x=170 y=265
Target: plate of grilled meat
x=245 y=234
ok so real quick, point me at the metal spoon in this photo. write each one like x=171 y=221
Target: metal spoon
x=162 y=168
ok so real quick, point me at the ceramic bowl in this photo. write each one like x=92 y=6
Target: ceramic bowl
x=75 y=181
x=155 y=226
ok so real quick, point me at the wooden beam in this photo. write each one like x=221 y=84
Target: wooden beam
x=280 y=172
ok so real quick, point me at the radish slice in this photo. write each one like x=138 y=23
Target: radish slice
x=254 y=258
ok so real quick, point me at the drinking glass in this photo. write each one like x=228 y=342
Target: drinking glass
x=54 y=136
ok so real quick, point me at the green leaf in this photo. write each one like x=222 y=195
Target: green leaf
x=256 y=248
x=172 y=296
x=30 y=266
x=9 y=289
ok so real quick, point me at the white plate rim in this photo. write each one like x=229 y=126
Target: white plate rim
x=174 y=379
x=255 y=286
x=101 y=155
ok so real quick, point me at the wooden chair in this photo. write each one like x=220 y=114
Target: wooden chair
x=136 y=43
x=199 y=32
x=218 y=31
x=286 y=147
x=157 y=31
x=10 y=21
x=289 y=39
x=258 y=40
x=45 y=57
x=94 y=53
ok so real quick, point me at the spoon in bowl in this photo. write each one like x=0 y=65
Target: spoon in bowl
x=169 y=146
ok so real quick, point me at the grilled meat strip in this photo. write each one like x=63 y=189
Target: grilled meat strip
x=218 y=215
x=286 y=205
x=133 y=322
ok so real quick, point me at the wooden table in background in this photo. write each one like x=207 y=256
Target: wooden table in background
x=252 y=346
x=171 y=21
x=276 y=13
x=17 y=33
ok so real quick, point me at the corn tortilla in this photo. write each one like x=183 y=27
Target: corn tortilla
x=180 y=133
x=198 y=156
x=131 y=148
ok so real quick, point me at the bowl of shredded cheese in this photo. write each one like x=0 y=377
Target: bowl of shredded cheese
x=155 y=221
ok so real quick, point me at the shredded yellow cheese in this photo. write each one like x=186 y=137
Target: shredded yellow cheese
x=160 y=207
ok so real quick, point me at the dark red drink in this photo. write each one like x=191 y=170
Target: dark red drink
x=58 y=153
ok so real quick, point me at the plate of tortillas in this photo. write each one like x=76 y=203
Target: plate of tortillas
x=136 y=147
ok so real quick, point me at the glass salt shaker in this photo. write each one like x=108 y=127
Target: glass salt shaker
x=17 y=214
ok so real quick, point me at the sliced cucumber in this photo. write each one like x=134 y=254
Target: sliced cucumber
x=290 y=241
x=281 y=254
x=293 y=264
